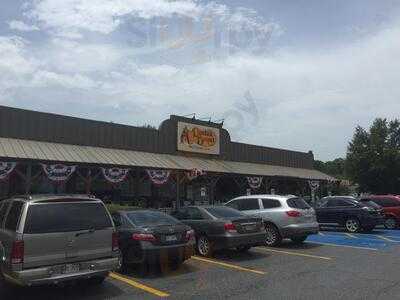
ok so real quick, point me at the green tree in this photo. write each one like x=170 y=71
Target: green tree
x=335 y=168
x=373 y=157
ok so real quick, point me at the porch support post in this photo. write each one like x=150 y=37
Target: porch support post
x=178 y=182
x=28 y=178
x=88 y=181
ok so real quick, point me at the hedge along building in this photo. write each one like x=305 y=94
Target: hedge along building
x=186 y=159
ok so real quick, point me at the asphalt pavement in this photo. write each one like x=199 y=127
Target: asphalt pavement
x=331 y=265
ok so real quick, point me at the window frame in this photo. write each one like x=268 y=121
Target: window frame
x=203 y=217
x=272 y=200
x=244 y=200
x=19 y=217
x=340 y=200
x=229 y=204
x=389 y=200
x=6 y=205
x=292 y=203
x=31 y=206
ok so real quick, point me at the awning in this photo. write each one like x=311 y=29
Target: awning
x=55 y=152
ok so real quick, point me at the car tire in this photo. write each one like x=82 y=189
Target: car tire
x=298 y=239
x=243 y=248
x=273 y=237
x=352 y=225
x=391 y=223
x=203 y=246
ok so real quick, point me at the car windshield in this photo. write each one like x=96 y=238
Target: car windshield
x=146 y=218
x=224 y=212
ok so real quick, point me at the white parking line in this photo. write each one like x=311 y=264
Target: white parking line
x=295 y=253
x=227 y=265
x=344 y=246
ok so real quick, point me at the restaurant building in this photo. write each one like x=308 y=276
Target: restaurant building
x=184 y=161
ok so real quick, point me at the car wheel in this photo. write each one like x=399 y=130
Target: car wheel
x=243 y=248
x=273 y=237
x=352 y=225
x=390 y=223
x=204 y=247
x=298 y=239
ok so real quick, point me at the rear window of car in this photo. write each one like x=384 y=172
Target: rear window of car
x=66 y=217
x=145 y=218
x=224 y=212
x=298 y=203
x=14 y=215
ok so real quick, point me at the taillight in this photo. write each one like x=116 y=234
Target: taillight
x=115 y=243
x=189 y=235
x=230 y=227
x=143 y=237
x=17 y=252
x=293 y=213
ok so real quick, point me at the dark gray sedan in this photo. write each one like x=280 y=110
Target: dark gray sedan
x=218 y=227
x=147 y=237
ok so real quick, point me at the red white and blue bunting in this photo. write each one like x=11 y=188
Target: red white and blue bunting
x=314 y=185
x=115 y=175
x=254 y=182
x=58 y=172
x=158 y=177
x=193 y=174
x=6 y=169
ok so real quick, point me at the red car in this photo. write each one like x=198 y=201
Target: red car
x=391 y=207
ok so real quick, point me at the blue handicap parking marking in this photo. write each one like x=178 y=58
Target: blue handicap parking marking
x=388 y=233
x=378 y=239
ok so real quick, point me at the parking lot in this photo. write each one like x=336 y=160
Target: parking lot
x=332 y=264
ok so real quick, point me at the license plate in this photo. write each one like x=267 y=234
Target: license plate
x=72 y=268
x=171 y=238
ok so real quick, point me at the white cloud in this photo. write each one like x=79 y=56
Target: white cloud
x=21 y=26
x=302 y=101
x=104 y=16
x=18 y=68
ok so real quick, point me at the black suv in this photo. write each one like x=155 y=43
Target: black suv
x=347 y=211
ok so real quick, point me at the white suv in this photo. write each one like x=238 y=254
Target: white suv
x=284 y=216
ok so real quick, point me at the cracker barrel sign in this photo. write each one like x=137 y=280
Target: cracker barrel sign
x=197 y=138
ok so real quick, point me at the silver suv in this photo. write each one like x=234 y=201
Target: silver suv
x=284 y=216
x=51 y=239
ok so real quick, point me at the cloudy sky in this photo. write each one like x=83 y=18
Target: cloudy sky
x=291 y=74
